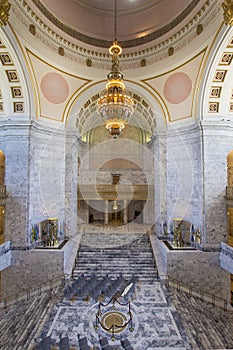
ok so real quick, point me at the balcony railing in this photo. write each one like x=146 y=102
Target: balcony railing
x=119 y=191
x=198 y=293
x=33 y=291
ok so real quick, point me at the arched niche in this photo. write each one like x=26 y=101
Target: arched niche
x=127 y=155
x=149 y=112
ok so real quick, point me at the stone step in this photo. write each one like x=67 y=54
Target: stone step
x=20 y=321
x=116 y=263
x=131 y=259
x=132 y=253
x=206 y=327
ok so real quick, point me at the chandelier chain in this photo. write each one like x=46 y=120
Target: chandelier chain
x=115 y=105
x=115 y=22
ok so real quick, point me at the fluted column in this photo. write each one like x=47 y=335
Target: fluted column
x=125 y=219
x=106 y=213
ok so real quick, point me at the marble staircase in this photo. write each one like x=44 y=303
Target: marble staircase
x=163 y=317
x=207 y=327
x=22 y=321
x=129 y=255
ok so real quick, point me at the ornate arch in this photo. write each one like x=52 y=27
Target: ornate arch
x=16 y=97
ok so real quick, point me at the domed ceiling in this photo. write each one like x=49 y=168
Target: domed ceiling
x=165 y=44
x=138 y=21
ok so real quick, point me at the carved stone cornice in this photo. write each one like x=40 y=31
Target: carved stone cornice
x=152 y=52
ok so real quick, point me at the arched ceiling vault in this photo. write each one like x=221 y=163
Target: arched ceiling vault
x=158 y=28
x=78 y=68
x=148 y=114
x=216 y=93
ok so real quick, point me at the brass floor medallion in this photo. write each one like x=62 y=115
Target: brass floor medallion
x=114 y=319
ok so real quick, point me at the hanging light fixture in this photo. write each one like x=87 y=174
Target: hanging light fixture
x=227 y=6
x=115 y=207
x=115 y=105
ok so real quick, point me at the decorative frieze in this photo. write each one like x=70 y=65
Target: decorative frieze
x=1 y=44
x=220 y=75
x=6 y=59
x=134 y=59
x=8 y=65
x=215 y=91
x=226 y=58
x=16 y=91
x=12 y=76
x=18 y=107
x=213 y=107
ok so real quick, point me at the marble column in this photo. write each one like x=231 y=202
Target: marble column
x=106 y=213
x=125 y=219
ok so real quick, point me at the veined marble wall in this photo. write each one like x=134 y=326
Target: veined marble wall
x=14 y=142
x=218 y=142
x=184 y=174
x=71 y=184
x=199 y=269
x=158 y=147
x=30 y=268
x=46 y=174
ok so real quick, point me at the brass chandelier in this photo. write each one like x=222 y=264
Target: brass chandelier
x=4 y=12
x=228 y=12
x=115 y=105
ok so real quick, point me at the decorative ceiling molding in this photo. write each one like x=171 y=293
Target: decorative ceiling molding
x=125 y=44
x=98 y=58
x=220 y=75
x=14 y=83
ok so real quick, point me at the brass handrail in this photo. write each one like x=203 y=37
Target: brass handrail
x=192 y=291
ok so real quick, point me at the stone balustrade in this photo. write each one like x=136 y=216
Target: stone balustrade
x=226 y=257
x=119 y=191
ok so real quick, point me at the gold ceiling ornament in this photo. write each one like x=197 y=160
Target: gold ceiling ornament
x=115 y=105
x=4 y=12
x=227 y=6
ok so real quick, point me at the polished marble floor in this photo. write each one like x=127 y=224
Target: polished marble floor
x=156 y=324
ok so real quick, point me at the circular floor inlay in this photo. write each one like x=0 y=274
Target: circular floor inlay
x=114 y=319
